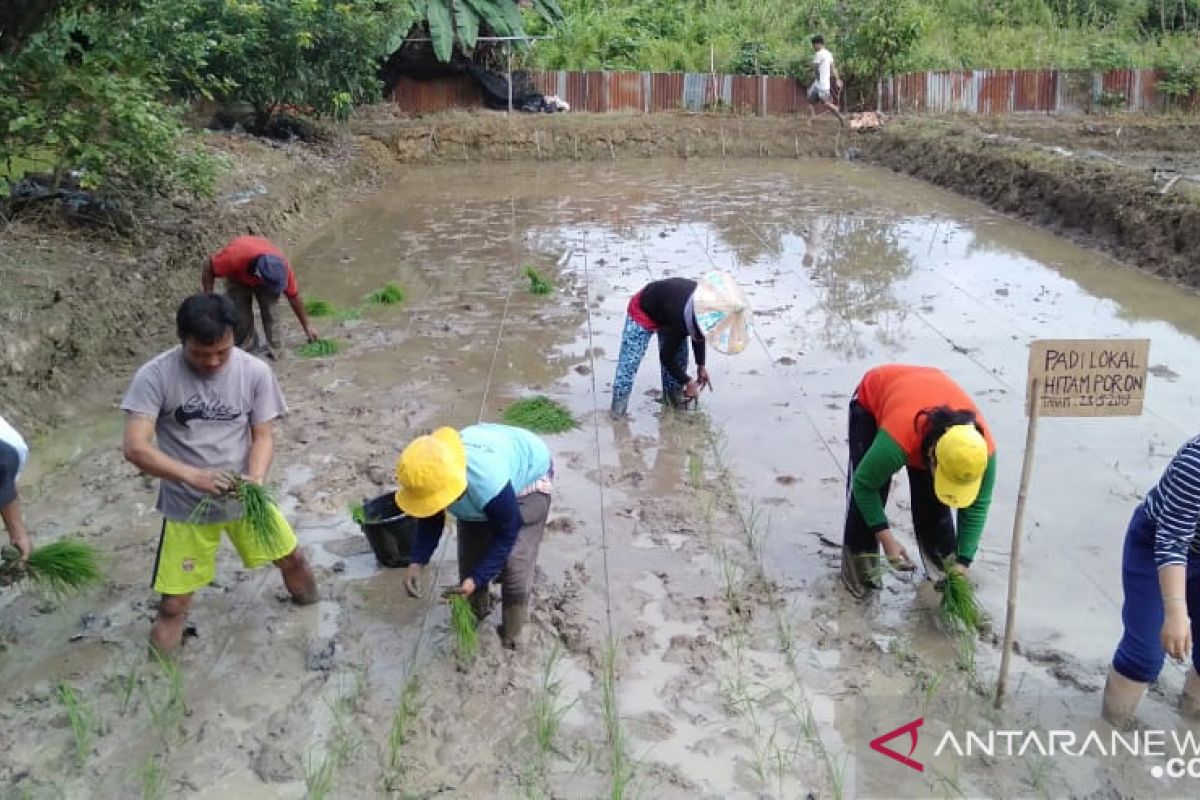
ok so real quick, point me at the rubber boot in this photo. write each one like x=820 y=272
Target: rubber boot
x=856 y=573
x=1189 y=703
x=620 y=405
x=1121 y=698
x=674 y=399
x=514 y=618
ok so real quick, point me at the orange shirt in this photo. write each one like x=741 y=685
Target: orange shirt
x=233 y=262
x=895 y=393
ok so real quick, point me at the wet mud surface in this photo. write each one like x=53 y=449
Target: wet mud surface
x=702 y=645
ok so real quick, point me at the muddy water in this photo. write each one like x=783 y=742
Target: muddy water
x=847 y=267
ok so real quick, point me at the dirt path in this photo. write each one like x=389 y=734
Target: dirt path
x=687 y=612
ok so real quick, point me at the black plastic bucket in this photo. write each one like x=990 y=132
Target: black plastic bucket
x=389 y=530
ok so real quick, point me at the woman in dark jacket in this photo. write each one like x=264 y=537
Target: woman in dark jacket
x=680 y=310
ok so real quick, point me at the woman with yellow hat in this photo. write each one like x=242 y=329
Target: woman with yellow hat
x=712 y=310
x=496 y=481
x=917 y=418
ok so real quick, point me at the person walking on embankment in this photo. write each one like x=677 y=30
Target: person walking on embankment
x=496 y=480
x=13 y=454
x=825 y=78
x=212 y=409
x=1160 y=575
x=712 y=311
x=915 y=418
x=254 y=269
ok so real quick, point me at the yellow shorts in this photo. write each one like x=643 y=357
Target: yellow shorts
x=187 y=553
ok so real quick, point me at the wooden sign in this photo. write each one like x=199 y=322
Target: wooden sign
x=1087 y=377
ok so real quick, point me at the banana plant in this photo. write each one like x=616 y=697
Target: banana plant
x=462 y=22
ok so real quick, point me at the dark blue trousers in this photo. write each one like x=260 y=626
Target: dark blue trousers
x=1140 y=654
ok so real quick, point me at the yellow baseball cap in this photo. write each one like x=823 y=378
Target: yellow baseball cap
x=432 y=473
x=961 y=455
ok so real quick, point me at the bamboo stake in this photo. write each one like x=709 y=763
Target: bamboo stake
x=1018 y=525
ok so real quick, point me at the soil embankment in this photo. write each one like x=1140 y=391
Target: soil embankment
x=1131 y=189
x=465 y=137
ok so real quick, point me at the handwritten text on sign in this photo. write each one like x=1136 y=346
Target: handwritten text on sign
x=1089 y=377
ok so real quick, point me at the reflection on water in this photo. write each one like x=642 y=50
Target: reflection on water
x=856 y=266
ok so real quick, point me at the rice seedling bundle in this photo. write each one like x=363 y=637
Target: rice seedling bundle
x=258 y=509
x=61 y=567
x=358 y=513
x=540 y=415
x=389 y=295
x=319 y=348
x=537 y=283
x=959 y=609
x=462 y=622
x=319 y=308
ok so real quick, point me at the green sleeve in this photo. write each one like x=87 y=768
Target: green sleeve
x=883 y=459
x=972 y=518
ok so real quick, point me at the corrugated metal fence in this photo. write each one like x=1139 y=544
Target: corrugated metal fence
x=967 y=91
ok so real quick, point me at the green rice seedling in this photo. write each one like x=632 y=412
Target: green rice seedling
x=541 y=415
x=389 y=295
x=258 y=508
x=620 y=770
x=318 y=776
x=125 y=685
x=348 y=314
x=65 y=566
x=548 y=709
x=82 y=719
x=167 y=710
x=319 y=348
x=358 y=513
x=406 y=712
x=153 y=778
x=959 y=610
x=319 y=308
x=537 y=283
x=462 y=623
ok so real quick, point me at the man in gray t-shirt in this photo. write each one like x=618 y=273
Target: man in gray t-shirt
x=211 y=407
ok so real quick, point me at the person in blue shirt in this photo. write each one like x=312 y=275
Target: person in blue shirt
x=496 y=482
x=1160 y=575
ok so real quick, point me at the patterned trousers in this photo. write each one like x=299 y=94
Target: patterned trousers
x=634 y=341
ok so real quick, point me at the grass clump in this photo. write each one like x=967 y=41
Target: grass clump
x=82 y=719
x=389 y=295
x=537 y=283
x=462 y=623
x=959 y=609
x=319 y=348
x=540 y=415
x=62 y=567
x=319 y=308
x=258 y=509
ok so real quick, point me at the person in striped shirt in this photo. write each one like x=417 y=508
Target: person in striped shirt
x=915 y=418
x=1160 y=576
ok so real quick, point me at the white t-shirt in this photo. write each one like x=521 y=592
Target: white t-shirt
x=823 y=61
x=9 y=436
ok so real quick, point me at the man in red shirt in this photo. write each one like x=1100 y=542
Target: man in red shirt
x=254 y=268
